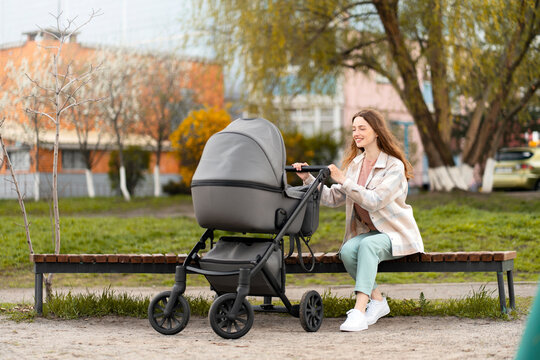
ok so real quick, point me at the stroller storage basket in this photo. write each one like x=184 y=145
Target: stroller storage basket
x=231 y=253
x=310 y=221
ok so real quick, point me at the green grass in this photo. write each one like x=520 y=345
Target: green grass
x=448 y=222
x=87 y=206
x=481 y=304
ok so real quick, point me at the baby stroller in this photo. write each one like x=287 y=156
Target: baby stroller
x=240 y=186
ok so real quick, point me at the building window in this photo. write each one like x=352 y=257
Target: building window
x=307 y=128
x=327 y=120
x=73 y=160
x=20 y=159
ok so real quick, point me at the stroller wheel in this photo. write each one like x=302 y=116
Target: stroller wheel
x=168 y=325
x=311 y=311
x=224 y=326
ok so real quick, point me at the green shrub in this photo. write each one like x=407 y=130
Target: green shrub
x=176 y=188
x=136 y=162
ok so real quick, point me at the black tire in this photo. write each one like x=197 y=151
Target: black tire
x=311 y=311
x=172 y=324
x=227 y=328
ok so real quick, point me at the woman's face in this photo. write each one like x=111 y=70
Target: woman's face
x=363 y=134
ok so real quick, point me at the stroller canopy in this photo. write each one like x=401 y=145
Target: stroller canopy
x=250 y=151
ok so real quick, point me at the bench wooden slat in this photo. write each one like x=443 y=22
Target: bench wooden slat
x=62 y=258
x=462 y=256
x=504 y=255
x=181 y=258
x=135 y=258
x=450 y=256
x=293 y=259
x=112 y=258
x=488 y=256
x=37 y=258
x=74 y=258
x=158 y=258
x=437 y=257
x=101 y=258
x=330 y=258
x=147 y=259
x=170 y=258
x=50 y=258
x=413 y=257
x=425 y=257
x=123 y=258
x=88 y=258
x=474 y=256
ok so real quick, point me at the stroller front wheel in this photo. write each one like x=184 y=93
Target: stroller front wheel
x=221 y=322
x=311 y=311
x=172 y=324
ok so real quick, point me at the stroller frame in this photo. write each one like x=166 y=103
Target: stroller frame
x=165 y=308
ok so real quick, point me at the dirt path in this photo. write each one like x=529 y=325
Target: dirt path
x=271 y=337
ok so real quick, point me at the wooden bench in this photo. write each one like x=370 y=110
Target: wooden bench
x=499 y=262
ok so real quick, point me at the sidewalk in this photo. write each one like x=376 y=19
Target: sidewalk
x=396 y=291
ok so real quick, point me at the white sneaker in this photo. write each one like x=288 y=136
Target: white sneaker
x=356 y=321
x=376 y=310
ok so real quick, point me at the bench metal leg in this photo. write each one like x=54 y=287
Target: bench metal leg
x=38 y=293
x=511 y=294
x=502 y=296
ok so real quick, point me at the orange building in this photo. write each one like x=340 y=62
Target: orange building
x=202 y=79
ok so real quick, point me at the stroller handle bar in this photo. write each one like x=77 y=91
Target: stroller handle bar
x=312 y=168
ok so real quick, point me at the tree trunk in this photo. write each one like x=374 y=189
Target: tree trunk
x=157 y=181
x=436 y=57
x=36 y=186
x=36 y=172
x=487 y=179
x=90 y=183
x=443 y=173
x=123 y=184
x=55 y=191
x=122 y=169
x=48 y=286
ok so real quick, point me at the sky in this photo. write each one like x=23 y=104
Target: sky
x=134 y=23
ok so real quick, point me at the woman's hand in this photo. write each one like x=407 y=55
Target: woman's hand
x=298 y=167
x=337 y=174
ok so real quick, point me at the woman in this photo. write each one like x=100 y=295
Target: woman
x=379 y=225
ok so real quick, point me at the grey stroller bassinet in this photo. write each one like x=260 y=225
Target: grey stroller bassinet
x=240 y=185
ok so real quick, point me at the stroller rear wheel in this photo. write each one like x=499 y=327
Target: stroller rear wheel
x=311 y=311
x=223 y=325
x=172 y=324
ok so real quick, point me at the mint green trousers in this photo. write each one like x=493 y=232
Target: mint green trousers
x=361 y=256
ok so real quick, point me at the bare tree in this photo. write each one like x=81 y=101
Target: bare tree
x=62 y=96
x=120 y=83
x=90 y=132
x=4 y=157
x=162 y=106
x=23 y=93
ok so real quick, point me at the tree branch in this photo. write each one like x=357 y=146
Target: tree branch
x=19 y=195
x=523 y=101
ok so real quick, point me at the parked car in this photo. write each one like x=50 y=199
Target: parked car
x=517 y=168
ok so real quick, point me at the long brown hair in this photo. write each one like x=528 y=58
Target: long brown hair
x=385 y=141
